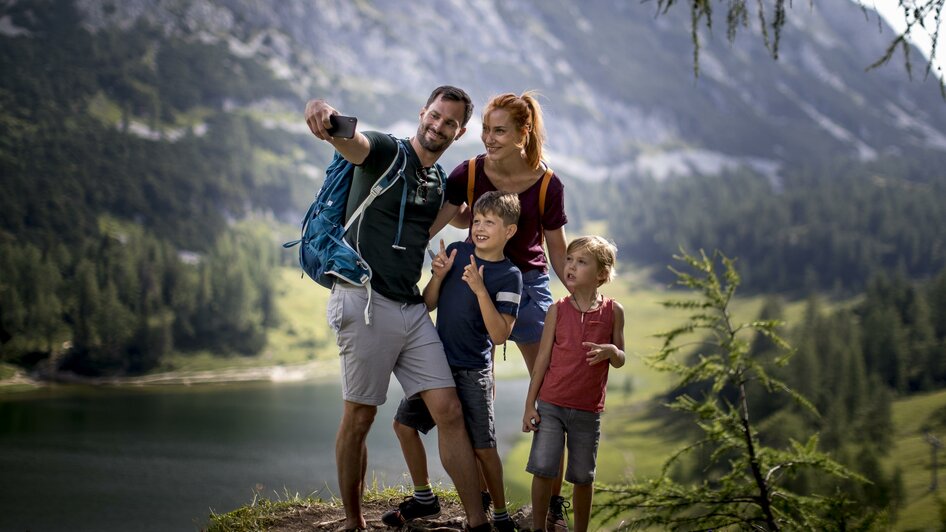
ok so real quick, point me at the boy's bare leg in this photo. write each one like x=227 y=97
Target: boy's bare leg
x=581 y=505
x=493 y=473
x=456 y=452
x=541 y=493
x=412 y=446
x=479 y=465
x=529 y=353
x=351 y=457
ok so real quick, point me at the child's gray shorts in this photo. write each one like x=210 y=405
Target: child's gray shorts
x=560 y=426
x=475 y=390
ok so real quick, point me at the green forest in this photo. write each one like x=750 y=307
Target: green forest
x=827 y=228
x=117 y=249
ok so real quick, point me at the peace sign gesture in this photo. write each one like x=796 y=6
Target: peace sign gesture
x=441 y=262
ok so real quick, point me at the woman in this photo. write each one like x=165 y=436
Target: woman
x=513 y=135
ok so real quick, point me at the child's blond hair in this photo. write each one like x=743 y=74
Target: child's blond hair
x=502 y=204
x=603 y=251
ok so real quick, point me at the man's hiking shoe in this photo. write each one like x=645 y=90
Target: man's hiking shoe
x=505 y=525
x=556 y=521
x=487 y=502
x=409 y=510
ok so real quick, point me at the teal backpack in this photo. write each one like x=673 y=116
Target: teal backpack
x=324 y=254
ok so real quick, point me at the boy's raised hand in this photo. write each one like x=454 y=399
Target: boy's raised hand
x=474 y=276
x=442 y=263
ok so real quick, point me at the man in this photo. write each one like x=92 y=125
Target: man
x=400 y=337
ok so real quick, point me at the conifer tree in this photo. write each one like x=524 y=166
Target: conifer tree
x=85 y=334
x=46 y=309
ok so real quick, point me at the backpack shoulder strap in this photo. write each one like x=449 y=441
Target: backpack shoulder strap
x=388 y=177
x=470 y=180
x=546 y=178
x=442 y=175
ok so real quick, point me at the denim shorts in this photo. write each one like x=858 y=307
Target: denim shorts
x=534 y=303
x=561 y=427
x=475 y=390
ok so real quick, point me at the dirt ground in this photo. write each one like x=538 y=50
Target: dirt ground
x=326 y=516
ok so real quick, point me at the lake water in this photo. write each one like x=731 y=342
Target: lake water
x=161 y=459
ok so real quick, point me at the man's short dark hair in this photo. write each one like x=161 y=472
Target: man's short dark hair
x=454 y=94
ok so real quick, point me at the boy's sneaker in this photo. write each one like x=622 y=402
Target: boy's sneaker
x=409 y=510
x=557 y=519
x=485 y=527
x=505 y=525
x=487 y=502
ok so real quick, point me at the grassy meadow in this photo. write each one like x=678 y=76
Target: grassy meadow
x=922 y=508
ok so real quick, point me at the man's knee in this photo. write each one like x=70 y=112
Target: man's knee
x=358 y=418
x=444 y=407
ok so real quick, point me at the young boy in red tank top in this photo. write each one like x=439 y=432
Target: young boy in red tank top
x=583 y=337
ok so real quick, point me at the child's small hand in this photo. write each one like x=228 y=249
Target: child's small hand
x=474 y=276
x=598 y=353
x=530 y=420
x=442 y=263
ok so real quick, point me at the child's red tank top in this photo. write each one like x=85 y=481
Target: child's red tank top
x=570 y=382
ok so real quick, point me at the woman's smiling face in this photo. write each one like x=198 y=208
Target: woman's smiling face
x=500 y=136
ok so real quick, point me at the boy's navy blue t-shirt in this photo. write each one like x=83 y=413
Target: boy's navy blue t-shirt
x=459 y=320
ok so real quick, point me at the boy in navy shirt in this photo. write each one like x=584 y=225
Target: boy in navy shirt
x=476 y=291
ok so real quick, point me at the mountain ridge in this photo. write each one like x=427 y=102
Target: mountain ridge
x=617 y=78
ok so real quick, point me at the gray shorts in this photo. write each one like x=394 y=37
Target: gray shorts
x=400 y=339
x=475 y=390
x=582 y=428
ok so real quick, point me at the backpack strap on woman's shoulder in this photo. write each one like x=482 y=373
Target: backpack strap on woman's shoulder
x=546 y=178
x=470 y=180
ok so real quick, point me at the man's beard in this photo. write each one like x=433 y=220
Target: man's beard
x=437 y=146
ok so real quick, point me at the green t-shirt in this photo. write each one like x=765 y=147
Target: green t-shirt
x=395 y=272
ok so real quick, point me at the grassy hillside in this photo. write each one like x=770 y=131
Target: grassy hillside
x=913 y=416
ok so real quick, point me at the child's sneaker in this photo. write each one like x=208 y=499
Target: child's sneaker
x=556 y=520
x=505 y=525
x=409 y=510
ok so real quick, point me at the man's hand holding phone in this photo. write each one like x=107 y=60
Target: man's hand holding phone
x=338 y=130
x=343 y=127
x=325 y=123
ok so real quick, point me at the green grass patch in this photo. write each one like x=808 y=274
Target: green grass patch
x=912 y=417
x=264 y=513
x=7 y=371
x=303 y=333
x=260 y=514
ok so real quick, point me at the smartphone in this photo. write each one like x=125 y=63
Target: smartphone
x=342 y=126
